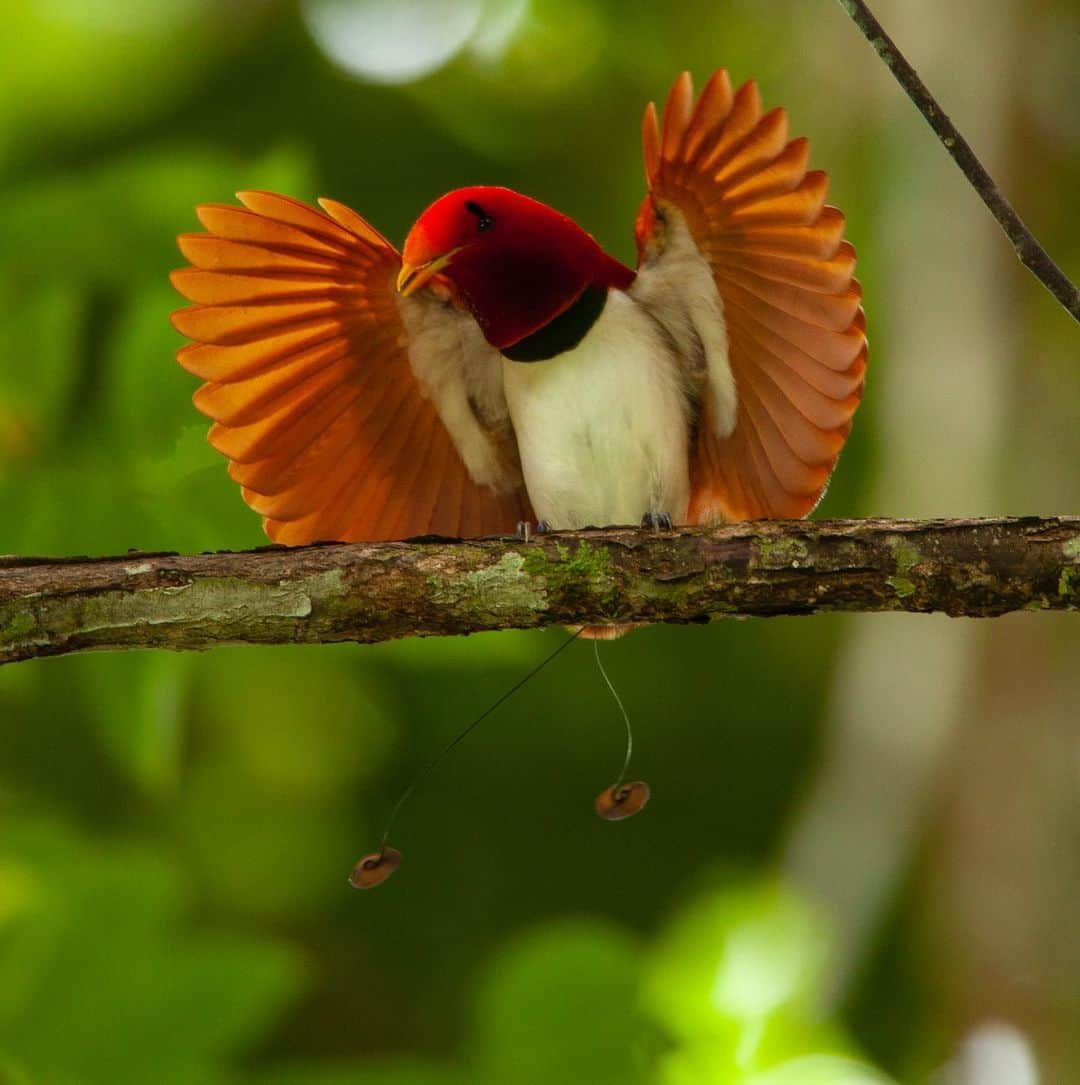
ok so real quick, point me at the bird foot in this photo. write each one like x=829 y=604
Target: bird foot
x=526 y=530
x=658 y=521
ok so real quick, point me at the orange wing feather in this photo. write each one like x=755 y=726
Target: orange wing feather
x=795 y=326
x=308 y=383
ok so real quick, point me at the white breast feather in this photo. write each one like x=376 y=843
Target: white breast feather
x=603 y=428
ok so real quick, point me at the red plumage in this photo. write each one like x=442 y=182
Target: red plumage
x=526 y=268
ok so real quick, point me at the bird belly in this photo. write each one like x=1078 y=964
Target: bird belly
x=603 y=428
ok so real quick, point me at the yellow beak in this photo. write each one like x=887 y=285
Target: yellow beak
x=413 y=276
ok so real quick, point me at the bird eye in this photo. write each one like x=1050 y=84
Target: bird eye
x=483 y=220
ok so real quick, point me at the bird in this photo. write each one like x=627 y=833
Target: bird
x=503 y=370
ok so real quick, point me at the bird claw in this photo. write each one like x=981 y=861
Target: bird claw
x=525 y=530
x=658 y=521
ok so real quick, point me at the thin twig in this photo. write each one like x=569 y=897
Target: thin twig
x=1032 y=255
x=370 y=592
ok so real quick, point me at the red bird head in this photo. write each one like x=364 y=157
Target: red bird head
x=516 y=262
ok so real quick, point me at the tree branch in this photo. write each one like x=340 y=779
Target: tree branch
x=379 y=591
x=1034 y=257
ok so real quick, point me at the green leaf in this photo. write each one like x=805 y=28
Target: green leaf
x=713 y=1066
x=561 y=1005
x=375 y=1072
x=819 y=1070
x=102 y=984
x=736 y=957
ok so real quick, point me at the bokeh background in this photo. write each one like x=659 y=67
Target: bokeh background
x=862 y=858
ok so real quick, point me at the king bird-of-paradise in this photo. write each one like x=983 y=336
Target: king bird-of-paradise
x=503 y=369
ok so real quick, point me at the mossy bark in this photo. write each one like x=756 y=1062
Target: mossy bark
x=380 y=591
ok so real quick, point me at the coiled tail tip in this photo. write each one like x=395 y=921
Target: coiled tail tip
x=375 y=868
x=622 y=800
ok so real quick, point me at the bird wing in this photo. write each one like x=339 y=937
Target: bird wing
x=782 y=386
x=347 y=412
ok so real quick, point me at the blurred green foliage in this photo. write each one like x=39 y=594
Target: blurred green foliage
x=109 y=978
x=175 y=832
x=101 y=984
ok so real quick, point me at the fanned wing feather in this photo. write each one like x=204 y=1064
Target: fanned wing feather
x=299 y=337
x=796 y=334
